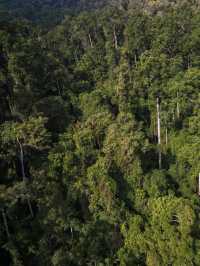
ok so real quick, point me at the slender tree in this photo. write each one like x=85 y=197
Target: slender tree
x=159 y=134
x=5 y=223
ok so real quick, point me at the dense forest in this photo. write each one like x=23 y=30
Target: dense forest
x=100 y=133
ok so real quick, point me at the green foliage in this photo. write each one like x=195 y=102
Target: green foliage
x=80 y=182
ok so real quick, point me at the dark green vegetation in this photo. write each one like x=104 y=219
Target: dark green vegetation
x=80 y=182
x=47 y=13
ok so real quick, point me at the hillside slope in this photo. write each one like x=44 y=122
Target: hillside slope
x=51 y=12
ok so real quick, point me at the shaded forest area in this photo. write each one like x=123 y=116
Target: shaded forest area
x=100 y=138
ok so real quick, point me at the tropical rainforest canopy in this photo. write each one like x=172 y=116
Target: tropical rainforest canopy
x=99 y=133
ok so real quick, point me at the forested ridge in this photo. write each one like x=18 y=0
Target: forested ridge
x=48 y=13
x=100 y=137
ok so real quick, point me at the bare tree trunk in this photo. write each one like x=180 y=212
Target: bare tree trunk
x=72 y=234
x=199 y=185
x=115 y=38
x=22 y=161
x=135 y=59
x=75 y=55
x=5 y=223
x=24 y=176
x=173 y=116
x=155 y=128
x=166 y=136
x=178 y=106
x=10 y=106
x=30 y=207
x=158 y=121
x=90 y=39
x=159 y=134
x=188 y=59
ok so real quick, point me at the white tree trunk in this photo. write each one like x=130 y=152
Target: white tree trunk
x=22 y=161
x=173 y=116
x=24 y=176
x=158 y=121
x=166 y=136
x=72 y=234
x=159 y=134
x=199 y=185
x=115 y=38
x=178 y=106
x=135 y=58
x=90 y=39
